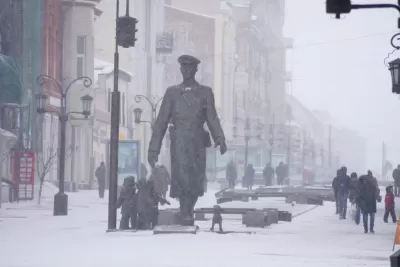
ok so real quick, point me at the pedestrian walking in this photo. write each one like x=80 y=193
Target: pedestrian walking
x=396 y=178
x=231 y=174
x=280 y=173
x=343 y=189
x=335 y=190
x=100 y=174
x=248 y=178
x=367 y=202
x=356 y=212
x=389 y=205
x=268 y=174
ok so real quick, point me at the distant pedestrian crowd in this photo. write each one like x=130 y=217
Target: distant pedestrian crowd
x=281 y=172
x=363 y=193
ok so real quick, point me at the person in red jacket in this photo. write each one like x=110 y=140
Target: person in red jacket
x=389 y=205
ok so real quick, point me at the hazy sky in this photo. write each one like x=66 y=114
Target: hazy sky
x=338 y=66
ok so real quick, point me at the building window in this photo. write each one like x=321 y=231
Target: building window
x=81 y=56
x=123 y=109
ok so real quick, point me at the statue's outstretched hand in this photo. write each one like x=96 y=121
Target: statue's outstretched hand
x=152 y=158
x=222 y=145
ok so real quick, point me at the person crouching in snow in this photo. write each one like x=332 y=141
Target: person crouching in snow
x=389 y=205
x=217 y=218
x=127 y=202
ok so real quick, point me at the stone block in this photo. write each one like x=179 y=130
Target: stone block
x=174 y=229
x=273 y=215
x=315 y=201
x=168 y=217
x=255 y=219
x=284 y=216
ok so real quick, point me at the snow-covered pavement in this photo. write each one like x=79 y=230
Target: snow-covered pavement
x=31 y=237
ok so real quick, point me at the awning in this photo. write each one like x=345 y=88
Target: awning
x=10 y=80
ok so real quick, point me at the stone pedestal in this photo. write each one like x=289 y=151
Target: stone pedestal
x=168 y=217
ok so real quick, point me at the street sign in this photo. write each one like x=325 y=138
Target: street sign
x=26 y=181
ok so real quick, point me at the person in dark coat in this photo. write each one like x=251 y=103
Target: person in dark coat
x=268 y=174
x=100 y=174
x=367 y=201
x=353 y=196
x=389 y=205
x=335 y=190
x=280 y=173
x=249 y=176
x=396 y=178
x=127 y=201
x=187 y=107
x=231 y=174
x=343 y=190
x=217 y=218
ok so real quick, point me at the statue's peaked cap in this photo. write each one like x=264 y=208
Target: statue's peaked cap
x=188 y=60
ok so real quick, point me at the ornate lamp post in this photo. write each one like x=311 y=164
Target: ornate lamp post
x=61 y=199
x=138 y=111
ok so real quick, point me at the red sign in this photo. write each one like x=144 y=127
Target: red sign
x=26 y=181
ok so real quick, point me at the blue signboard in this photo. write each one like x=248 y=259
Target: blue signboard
x=128 y=159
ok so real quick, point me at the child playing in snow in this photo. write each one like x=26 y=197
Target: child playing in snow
x=127 y=200
x=217 y=218
x=389 y=205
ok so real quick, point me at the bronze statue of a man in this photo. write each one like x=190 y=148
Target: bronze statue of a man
x=186 y=107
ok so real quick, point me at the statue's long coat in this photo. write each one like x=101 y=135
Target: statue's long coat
x=187 y=111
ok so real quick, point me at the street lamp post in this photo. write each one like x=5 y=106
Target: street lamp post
x=246 y=141
x=272 y=137
x=61 y=199
x=138 y=111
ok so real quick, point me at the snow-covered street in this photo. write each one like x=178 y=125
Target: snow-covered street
x=31 y=237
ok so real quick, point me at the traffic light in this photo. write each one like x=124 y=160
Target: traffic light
x=126 y=31
x=338 y=7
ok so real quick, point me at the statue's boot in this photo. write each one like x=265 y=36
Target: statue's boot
x=185 y=211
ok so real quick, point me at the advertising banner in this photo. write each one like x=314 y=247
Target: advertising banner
x=26 y=181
